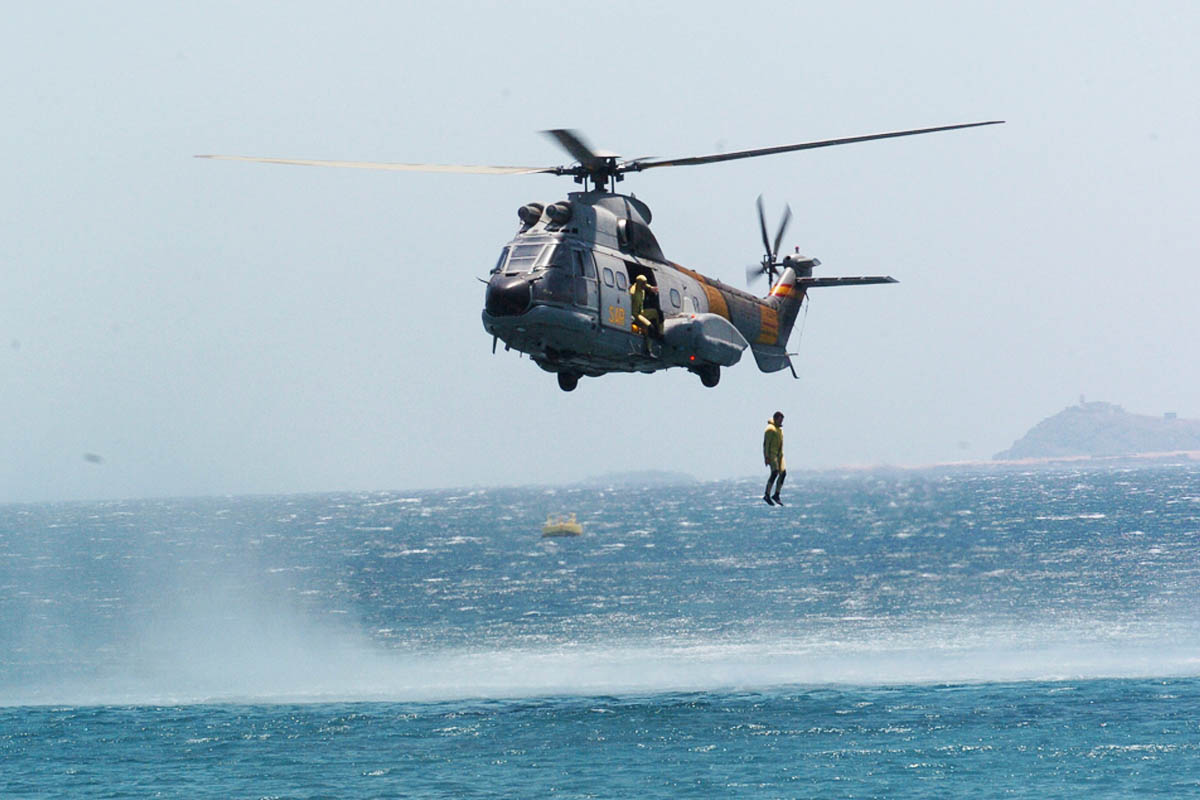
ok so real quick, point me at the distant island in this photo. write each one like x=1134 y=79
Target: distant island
x=1101 y=429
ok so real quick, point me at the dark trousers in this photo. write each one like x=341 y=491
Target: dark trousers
x=775 y=475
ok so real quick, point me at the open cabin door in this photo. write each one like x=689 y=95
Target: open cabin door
x=614 y=292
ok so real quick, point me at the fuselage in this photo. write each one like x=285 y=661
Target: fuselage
x=560 y=292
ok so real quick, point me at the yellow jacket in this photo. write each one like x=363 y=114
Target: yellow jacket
x=638 y=291
x=773 y=446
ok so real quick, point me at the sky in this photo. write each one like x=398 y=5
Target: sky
x=175 y=326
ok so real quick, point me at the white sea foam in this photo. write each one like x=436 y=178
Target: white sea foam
x=282 y=663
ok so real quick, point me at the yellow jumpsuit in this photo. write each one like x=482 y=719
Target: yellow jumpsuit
x=773 y=447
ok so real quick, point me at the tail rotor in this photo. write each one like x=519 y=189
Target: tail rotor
x=770 y=264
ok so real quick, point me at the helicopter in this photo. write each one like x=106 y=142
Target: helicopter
x=584 y=288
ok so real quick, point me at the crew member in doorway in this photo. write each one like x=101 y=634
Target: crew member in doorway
x=773 y=458
x=646 y=318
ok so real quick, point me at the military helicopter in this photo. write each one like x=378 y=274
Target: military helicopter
x=584 y=288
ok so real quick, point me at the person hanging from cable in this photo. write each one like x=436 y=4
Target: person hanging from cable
x=773 y=458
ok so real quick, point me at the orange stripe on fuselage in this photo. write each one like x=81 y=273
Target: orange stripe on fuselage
x=768 y=314
x=768 y=332
x=716 y=300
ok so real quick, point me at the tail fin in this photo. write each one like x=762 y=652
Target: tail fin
x=782 y=305
x=785 y=299
x=787 y=295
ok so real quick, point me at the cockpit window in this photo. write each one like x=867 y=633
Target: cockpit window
x=551 y=281
x=552 y=256
x=583 y=264
x=522 y=257
x=500 y=262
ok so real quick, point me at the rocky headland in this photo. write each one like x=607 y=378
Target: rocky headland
x=1099 y=429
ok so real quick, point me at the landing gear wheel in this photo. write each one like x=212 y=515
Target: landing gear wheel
x=710 y=375
x=567 y=381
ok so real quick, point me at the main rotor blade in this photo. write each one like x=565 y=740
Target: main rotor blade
x=787 y=148
x=573 y=143
x=783 y=223
x=762 y=226
x=383 y=165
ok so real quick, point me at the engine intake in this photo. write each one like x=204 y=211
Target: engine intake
x=559 y=212
x=530 y=213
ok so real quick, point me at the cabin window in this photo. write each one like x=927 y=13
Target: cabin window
x=676 y=299
x=608 y=277
x=621 y=284
x=500 y=263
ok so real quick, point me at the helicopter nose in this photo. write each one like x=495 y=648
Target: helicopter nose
x=507 y=296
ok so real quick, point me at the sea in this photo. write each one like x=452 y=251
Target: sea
x=977 y=632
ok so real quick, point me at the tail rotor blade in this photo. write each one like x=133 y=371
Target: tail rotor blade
x=783 y=223
x=762 y=226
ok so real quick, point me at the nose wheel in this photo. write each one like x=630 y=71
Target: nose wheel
x=567 y=381
x=710 y=374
